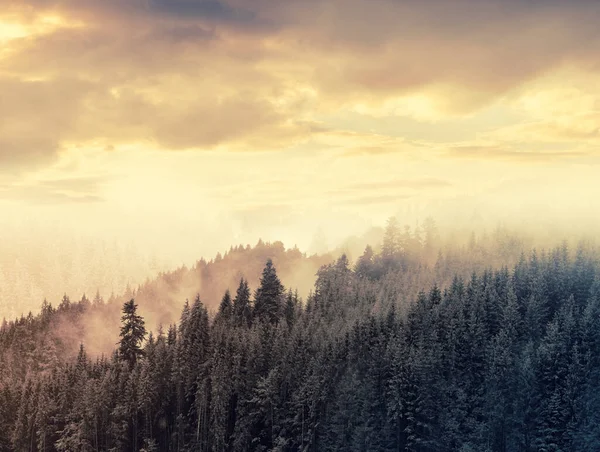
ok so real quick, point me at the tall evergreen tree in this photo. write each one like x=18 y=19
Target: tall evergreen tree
x=364 y=265
x=391 y=239
x=291 y=303
x=225 y=309
x=133 y=332
x=268 y=297
x=242 y=310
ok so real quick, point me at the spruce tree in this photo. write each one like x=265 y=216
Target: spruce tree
x=268 y=298
x=364 y=266
x=133 y=332
x=225 y=309
x=242 y=311
x=290 y=308
x=391 y=240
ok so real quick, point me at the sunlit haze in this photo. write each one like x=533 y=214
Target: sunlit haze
x=180 y=128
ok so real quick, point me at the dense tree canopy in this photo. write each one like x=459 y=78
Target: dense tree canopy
x=501 y=359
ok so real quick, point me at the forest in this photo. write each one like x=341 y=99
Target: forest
x=418 y=345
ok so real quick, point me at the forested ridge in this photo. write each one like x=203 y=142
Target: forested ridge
x=406 y=349
x=95 y=321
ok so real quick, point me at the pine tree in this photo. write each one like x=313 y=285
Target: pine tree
x=391 y=240
x=225 y=309
x=98 y=300
x=268 y=297
x=133 y=332
x=291 y=302
x=242 y=310
x=364 y=266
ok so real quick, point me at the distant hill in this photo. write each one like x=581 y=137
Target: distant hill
x=62 y=326
x=162 y=298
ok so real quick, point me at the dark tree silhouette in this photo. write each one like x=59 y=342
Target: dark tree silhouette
x=133 y=332
x=268 y=299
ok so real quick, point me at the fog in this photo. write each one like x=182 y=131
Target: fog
x=61 y=251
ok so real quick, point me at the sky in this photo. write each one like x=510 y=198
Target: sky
x=191 y=125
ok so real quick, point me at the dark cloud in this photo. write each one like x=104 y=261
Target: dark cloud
x=114 y=56
x=182 y=34
x=470 y=52
x=144 y=12
x=207 y=9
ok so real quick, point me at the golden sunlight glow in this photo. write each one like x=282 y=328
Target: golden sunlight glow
x=11 y=30
x=420 y=106
x=170 y=125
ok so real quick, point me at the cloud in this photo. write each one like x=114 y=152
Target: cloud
x=369 y=150
x=40 y=116
x=56 y=190
x=256 y=75
x=39 y=195
x=463 y=53
x=416 y=184
x=383 y=192
x=182 y=34
x=84 y=185
x=499 y=152
x=583 y=128
x=207 y=9
x=35 y=116
x=217 y=122
x=373 y=199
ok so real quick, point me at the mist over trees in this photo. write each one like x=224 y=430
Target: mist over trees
x=416 y=345
x=36 y=265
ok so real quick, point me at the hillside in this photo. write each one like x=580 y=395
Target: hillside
x=387 y=354
x=430 y=256
x=97 y=322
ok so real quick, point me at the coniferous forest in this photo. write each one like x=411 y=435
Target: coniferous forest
x=406 y=349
